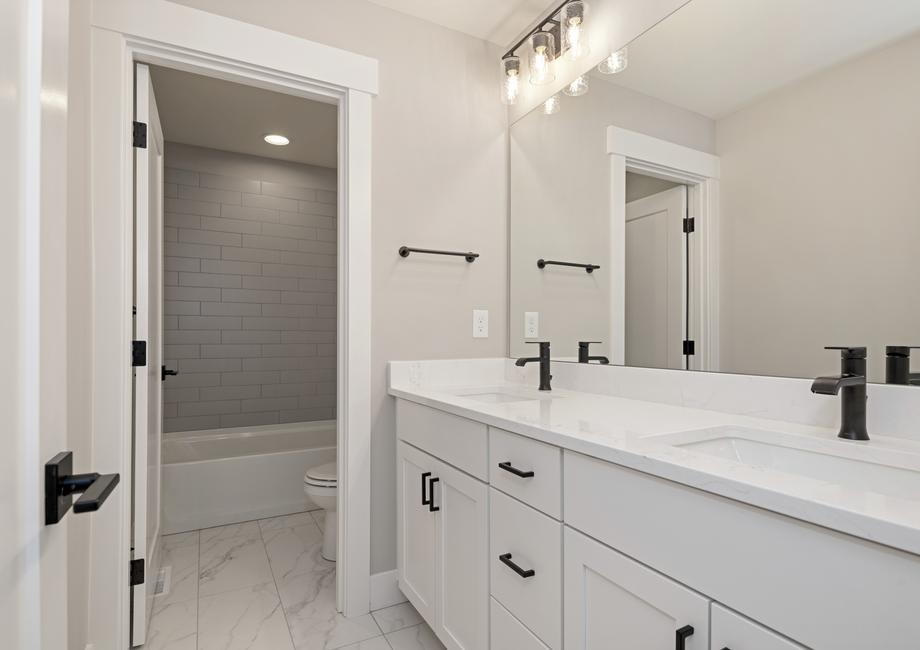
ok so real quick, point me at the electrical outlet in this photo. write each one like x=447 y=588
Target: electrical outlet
x=480 y=323
x=531 y=324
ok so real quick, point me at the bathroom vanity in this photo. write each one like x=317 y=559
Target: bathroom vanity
x=589 y=519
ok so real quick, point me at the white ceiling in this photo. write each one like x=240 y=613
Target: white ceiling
x=716 y=56
x=496 y=21
x=228 y=116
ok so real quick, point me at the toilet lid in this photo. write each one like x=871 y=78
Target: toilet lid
x=321 y=474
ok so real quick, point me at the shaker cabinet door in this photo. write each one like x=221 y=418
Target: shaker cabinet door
x=416 y=530
x=731 y=631
x=612 y=601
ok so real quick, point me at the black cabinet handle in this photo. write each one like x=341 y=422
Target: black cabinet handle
x=425 y=500
x=524 y=573
x=167 y=372
x=682 y=634
x=431 y=506
x=508 y=467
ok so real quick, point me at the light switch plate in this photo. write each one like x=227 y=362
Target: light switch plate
x=480 y=323
x=531 y=324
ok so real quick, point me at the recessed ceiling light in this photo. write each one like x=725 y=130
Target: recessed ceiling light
x=277 y=140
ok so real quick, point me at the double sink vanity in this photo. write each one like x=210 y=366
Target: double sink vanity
x=614 y=512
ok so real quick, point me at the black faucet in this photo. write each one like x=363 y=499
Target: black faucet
x=851 y=384
x=897 y=366
x=584 y=353
x=545 y=377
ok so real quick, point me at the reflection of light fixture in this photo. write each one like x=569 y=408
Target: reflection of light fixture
x=277 y=140
x=552 y=105
x=543 y=51
x=574 y=39
x=614 y=63
x=578 y=87
x=511 y=79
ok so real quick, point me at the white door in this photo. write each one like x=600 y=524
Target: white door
x=463 y=562
x=33 y=291
x=417 y=543
x=656 y=279
x=731 y=631
x=611 y=601
x=148 y=324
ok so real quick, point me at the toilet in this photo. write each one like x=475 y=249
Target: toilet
x=321 y=485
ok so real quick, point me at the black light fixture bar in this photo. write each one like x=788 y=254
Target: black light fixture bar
x=589 y=268
x=549 y=20
x=405 y=250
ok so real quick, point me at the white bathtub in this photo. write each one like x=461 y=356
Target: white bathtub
x=225 y=476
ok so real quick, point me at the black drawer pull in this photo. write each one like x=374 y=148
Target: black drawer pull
x=682 y=634
x=508 y=467
x=431 y=506
x=425 y=500
x=524 y=573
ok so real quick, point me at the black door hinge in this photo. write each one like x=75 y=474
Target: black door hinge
x=137 y=572
x=140 y=135
x=689 y=348
x=138 y=353
x=689 y=225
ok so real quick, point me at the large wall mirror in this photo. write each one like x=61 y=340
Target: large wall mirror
x=742 y=193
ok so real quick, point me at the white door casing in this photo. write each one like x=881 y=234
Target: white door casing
x=165 y=33
x=656 y=285
x=148 y=326
x=33 y=352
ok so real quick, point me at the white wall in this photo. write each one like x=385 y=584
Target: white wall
x=250 y=290
x=560 y=207
x=820 y=218
x=439 y=180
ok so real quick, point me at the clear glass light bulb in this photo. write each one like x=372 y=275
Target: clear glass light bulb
x=552 y=105
x=511 y=80
x=578 y=87
x=543 y=52
x=574 y=38
x=616 y=62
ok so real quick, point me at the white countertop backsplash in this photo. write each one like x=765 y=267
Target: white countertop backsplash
x=613 y=413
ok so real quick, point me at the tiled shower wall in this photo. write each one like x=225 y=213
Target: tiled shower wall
x=250 y=290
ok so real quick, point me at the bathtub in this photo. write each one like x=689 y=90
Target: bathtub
x=225 y=476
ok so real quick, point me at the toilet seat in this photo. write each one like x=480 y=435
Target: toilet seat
x=322 y=476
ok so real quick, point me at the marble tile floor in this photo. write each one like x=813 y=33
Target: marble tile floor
x=263 y=585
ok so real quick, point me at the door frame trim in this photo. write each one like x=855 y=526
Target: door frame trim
x=700 y=171
x=163 y=33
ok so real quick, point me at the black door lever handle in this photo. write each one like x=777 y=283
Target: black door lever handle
x=61 y=484
x=167 y=372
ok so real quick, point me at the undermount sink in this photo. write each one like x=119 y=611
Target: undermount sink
x=882 y=471
x=502 y=395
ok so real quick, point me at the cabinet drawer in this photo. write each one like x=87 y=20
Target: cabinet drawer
x=455 y=440
x=542 y=490
x=534 y=542
x=731 y=631
x=508 y=633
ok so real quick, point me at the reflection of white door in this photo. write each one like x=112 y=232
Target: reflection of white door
x=656 y=279
x=34 y=335
x=148 y=196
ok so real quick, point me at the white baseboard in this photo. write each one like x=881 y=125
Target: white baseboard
x=385 y=590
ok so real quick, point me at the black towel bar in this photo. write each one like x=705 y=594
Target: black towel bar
x=405 y=250
x=589 y=268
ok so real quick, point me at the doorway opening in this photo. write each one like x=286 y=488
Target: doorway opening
x=234 y=484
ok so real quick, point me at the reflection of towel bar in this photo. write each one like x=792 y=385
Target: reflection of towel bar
x=589 y=268
x=405 y=250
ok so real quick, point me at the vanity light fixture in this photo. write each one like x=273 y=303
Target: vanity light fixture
x=552 y=105
x=574 y=38
x=616 y=62
x=277 y=140
x=578 y=87
x=542 y=55
x=511 y=80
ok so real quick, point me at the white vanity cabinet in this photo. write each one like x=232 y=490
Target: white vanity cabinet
x=731 y=631
x=612 y=601
x=443 y=541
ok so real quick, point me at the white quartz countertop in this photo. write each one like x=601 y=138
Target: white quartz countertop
x=624 y=431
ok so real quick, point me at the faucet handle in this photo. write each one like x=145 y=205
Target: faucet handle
x=847 y=352
x=900 y=350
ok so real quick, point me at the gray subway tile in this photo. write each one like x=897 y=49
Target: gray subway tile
x=219 y=182
x=229 y=392
x=181 y=351
x=210 y=365
x=289 y=311
x=289 y=350
x=178 y=249
x=209 y=194
x=249 y=378
x=170 y=234
x=249 y=336
x=307 y=220
x=189 y=264
x=269 y=202
x=323 y=247
x=200 y=423
x=210 y=322
x=209 y=280
x=178 y=220
x=318 y=286
x=249 y=419
x=247 y=212
x=289 y=390
x=170 y=190
x=272 y=243
x=208 y=408
x=283 y=230
x=210 y=237
x=184 y=337
x=170 y=278
x=306 y=376
x=323 y=234
x=304 y=298
x=266 y=404
x=170 y=410
x=262 y=282
x=325 y=196
x=250 y=255
x=229 y=351
x=231 y=225
x=230 y=309
x=194 y=294
x=318 y=324
x=314 y=401
x=189 y=394
x=192 y=379
x=181 y=176
x=249 y=295
x=170 y=322
x=326 y=349
x=326 y=311
x=313 y=207
x=186 y=206
x=281 y=363
x=288 y=191
x=307 y=337
x=229 y=266
x=264 y=323
x=289 y=271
